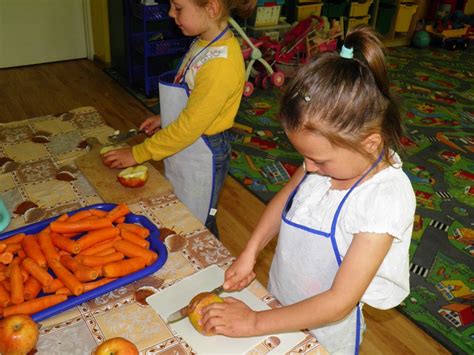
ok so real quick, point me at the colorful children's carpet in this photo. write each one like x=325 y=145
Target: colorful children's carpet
x=436 y=91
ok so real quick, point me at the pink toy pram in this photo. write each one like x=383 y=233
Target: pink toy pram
x=252 y=54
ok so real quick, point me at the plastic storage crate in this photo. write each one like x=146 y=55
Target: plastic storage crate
x=355 y=21
x=359 y=9
x=265 y=16
x=305 y=11
x=149 y=12
x=405 y=14
x=274 y=32
x=333 y=9
x=156 y=44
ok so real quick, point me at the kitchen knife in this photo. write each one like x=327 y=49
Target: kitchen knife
x=183 y=312
x=119 y=137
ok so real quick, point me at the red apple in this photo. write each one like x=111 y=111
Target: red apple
x=18 y=334
x=116 y=346
x=199 y=301
x=135 y=176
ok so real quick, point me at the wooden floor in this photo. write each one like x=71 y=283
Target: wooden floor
x=34 y=91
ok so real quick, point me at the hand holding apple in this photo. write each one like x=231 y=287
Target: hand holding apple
x=18 y=334
x=198 y=302
x=116 y=346
x=118 y=158
x=135 y=176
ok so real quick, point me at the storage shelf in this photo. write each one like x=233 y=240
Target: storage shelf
x=153 y=39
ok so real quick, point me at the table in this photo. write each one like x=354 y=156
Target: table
x=34 y=154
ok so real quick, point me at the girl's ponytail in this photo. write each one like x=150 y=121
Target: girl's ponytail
x=368 y=47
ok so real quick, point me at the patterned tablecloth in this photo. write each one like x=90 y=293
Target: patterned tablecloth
x=38 y=179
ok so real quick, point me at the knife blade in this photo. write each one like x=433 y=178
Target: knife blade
x=183 y=312
x=119 y=137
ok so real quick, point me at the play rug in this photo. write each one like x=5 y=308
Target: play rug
x=436 y=91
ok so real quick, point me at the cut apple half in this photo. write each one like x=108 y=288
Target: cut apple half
x=135 y=176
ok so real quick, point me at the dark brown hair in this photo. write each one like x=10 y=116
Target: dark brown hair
x=344 y=99
x=243 y=8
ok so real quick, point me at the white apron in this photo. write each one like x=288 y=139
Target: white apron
x=305 y=264
x=192 y=170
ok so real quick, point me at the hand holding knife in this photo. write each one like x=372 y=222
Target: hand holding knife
x=184 y=311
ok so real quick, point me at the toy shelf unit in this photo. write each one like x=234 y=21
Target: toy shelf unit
x=154 y=43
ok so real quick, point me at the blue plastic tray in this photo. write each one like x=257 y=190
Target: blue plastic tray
x=155 y=245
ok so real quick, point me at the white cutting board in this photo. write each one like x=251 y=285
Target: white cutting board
x=178 y=295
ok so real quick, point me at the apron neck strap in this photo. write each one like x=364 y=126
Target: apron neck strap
x=336 y=215
x=191 y=60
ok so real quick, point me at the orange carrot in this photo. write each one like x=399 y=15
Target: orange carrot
x=13 y=248
x=55 y=285
x=46 y=245
x=134 y=238
x=32 y=288
x=35 y=305
x=2 y=275
x=81 y=272
x=66 y=277
x=37 y=272
x=98 y=236
x=80 y=226
x=7 y=285
x=69 y=245
x=93 y=250
x=118 y=211
x=98 y=213
x=94 y=284
x=106 y=252
x=135 y=228
x=16 y=283
x=6 y=258
x=120 y=220
x=132 y=250
x=32 y=250
x=15 y=239
x=93 y=260
x=67 y=235
x=5 y=299
x=124 y=267
x=21 y=253
x=3 y=246
x=85 y=273
x=16 y=261
x=79 y=216
x=63 y=218
x=63 y=291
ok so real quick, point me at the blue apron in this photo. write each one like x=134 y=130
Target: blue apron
x=305 y=264
x=191 y=171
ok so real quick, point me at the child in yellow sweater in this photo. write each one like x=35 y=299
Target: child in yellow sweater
x=198 y=105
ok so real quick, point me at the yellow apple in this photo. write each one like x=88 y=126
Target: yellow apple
x=134 y=176
x=116 y=346
x=18 y=334
x=198 y=302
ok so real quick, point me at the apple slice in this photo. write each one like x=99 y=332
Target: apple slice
x=134 y=176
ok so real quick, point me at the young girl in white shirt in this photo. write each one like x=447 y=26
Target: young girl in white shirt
x=344 y=219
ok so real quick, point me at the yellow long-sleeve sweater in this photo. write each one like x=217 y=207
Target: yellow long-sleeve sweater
x=216 y=81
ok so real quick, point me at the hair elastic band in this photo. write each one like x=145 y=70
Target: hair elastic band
x=347 y=53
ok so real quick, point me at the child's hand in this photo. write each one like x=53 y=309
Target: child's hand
x=231 y=318
x=151 y=125
x=240 y=274
x=119 y=158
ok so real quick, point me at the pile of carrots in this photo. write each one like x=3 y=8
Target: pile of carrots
x=83 y=251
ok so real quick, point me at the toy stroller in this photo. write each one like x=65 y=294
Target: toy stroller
x=253 y=54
